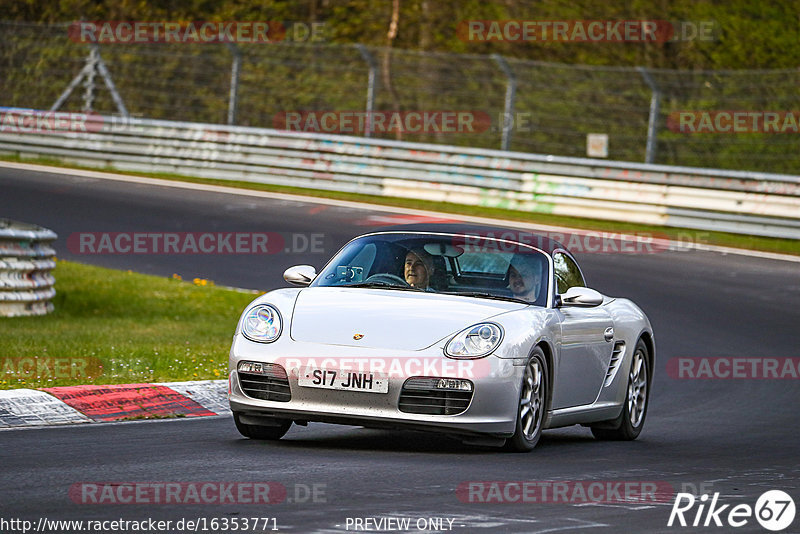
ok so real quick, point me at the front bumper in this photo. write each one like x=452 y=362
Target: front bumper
x=492 y=410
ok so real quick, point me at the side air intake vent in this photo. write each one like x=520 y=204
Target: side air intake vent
x=616 y=359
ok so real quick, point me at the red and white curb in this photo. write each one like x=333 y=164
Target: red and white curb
x=117 y=402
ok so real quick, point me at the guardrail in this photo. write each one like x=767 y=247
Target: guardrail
x=704 y=199
x=26 y=262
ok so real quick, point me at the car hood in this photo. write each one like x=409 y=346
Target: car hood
x=390 y=319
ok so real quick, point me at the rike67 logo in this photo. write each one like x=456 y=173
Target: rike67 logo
x=774 y=510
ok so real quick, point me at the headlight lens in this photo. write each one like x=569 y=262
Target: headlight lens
x=475 y=341
x=262 y=323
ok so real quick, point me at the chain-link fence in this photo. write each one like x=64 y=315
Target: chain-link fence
x=533 y=106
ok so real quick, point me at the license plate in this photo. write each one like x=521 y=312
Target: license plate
x=343 y=380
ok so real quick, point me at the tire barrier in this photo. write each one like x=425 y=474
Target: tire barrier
x=26 y=263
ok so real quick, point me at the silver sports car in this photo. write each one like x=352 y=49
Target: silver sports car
x=484 y=333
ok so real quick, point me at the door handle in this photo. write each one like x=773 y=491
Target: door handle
x=609 y=333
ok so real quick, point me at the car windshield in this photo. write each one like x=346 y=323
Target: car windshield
x=452 y=264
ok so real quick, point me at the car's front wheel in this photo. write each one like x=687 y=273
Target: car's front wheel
x=631 y=421
x=532 y=404
x=269 y=432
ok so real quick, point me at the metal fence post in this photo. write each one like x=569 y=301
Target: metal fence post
x=652 y=120
x=373 y=69
x=68 y=91
x=88 y=80
x=103 y=70
x=233 y=95
x=94 y=65
x=508 y=108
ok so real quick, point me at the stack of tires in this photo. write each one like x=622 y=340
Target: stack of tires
x=26 y=261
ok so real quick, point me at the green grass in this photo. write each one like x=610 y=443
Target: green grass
x=139 y=328
x=766 y=244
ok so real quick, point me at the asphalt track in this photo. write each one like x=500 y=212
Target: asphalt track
x=736 y=437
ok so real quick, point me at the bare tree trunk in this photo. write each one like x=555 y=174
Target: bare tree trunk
x=386 y=60
x=425 y=26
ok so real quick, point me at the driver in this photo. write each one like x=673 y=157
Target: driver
x=525 y=277
x=418 y=268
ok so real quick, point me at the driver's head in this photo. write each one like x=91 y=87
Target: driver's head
x=525 y=276
x=418 y=268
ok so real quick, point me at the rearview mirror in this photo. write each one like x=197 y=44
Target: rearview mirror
x=443 y=249
x=581 y=296
x=300 y=275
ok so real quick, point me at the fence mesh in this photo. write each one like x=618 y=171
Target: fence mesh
x=555 y=106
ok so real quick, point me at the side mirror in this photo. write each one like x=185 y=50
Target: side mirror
x=581 y=297
x=300 y=275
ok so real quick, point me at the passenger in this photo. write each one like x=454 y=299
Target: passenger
x=525 y=277
x=418 y=269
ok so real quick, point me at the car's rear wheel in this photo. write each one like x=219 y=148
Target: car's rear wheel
x=269 y=432
x=630 y=422
x=532 y=404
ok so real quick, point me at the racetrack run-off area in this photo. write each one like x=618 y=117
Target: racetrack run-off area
x=738 y=437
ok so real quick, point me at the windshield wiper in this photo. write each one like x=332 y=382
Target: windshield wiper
x=480 y=294
x=383 y=285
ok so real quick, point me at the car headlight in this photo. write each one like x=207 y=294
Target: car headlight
x=262 y=323
x=475 y=341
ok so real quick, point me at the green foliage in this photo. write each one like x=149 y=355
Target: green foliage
x=747 y=34
x=141 y=328
x=565 y=89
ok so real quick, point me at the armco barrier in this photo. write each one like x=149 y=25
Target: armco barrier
x=705 y=199
x=26 y=262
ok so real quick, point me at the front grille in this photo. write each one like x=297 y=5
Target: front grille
x=422 y=396
x=267 y=382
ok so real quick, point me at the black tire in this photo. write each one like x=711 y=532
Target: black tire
x=272 y=432
x=530 y=416
x=627 y=427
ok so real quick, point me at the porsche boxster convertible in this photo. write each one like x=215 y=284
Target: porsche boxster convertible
x=485 y=333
